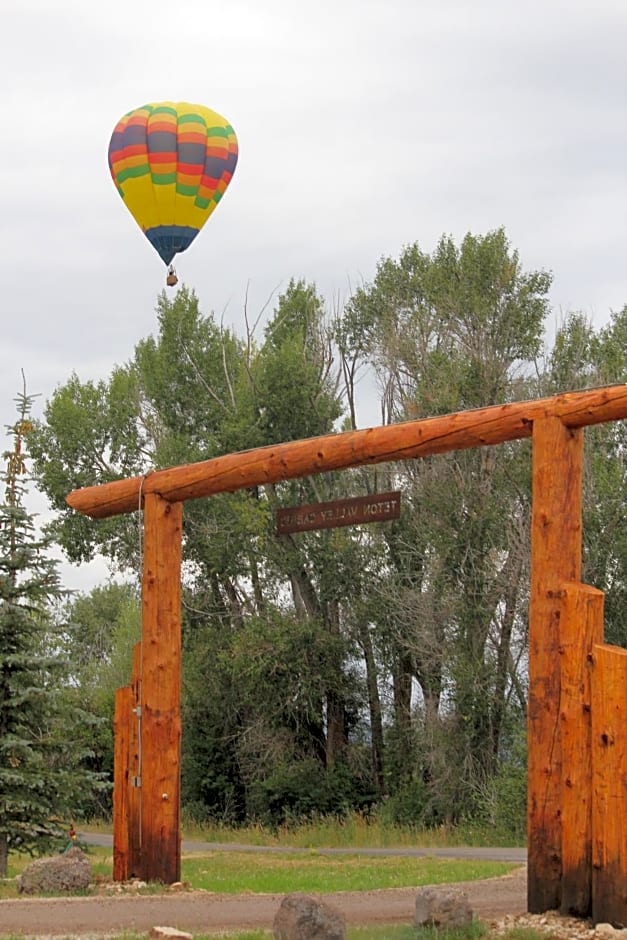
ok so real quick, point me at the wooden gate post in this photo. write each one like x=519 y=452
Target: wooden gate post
x=581 y=626
x=609 y=785
x=126 y=777
x=135 y=769
x=556 y=525
x=121 y=751
x=161 y=691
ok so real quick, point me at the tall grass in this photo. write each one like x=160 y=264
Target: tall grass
x=351 y=831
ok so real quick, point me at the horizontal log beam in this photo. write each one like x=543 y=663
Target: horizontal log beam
x=409 y=439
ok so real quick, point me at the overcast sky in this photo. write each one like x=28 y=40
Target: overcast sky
x=363 y=125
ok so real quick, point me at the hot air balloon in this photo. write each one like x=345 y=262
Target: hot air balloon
x=171 y=163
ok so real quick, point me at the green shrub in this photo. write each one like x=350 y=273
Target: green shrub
x=300 y=790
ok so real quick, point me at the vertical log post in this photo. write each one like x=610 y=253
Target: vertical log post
x=161 y=691
x=135 y=769
x=122 y=718
x=581 y=626
x=609 y=785
x=127 y=776
x=555 y=558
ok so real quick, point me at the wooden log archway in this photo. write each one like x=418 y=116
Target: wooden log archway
x=577 y=709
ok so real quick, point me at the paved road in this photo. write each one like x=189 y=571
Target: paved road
x=474 y=852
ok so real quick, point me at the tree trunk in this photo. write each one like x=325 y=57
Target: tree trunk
x=260 y=604
x=402 y=691
x=503 y=657
x=374 y=705
x=337 y=735
x=336 y=729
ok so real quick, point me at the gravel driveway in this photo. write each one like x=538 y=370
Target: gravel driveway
x=203 y=912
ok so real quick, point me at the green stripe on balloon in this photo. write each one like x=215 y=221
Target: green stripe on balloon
x=132 y=172
x=184 y=189
x=220 y=131
x=191 y=119
x=164 y=179
x=162 y=110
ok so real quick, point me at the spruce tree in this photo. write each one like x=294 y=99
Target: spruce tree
x=43 y=786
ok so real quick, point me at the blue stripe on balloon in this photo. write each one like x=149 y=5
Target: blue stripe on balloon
x=117 y=141
x=168 y=240
x=194 y=154
x=161 y=141
x=134 y=134
x=215 y=167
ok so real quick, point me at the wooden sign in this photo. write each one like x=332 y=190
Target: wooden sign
x=376 y=508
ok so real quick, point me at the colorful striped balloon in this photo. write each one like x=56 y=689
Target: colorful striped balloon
x=171 y=163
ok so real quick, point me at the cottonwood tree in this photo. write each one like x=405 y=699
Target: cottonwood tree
x=191 y=392
x=393 y=655
x=446 y=331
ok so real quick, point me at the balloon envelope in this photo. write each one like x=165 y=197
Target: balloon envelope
x=171 y=163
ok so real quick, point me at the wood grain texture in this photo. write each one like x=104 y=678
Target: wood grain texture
x=609 y=785
x=121 y=731
x=161 y=691
x=410 y=439
x=581 y=626
x=127 y=776
x=135 y=768
x=555 y=558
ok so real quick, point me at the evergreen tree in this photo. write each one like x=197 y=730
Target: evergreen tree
x=42 y=783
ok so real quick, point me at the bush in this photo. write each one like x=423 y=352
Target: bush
x=298 y=791
x=407 y=806
x=503 y=805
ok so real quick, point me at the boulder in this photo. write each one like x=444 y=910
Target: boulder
x=301 y=917
x=68 y=873
x=442 y=907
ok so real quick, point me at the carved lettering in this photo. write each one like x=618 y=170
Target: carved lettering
x=354 y=511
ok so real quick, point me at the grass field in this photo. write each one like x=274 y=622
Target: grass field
x=238 y=872
x=306 y=870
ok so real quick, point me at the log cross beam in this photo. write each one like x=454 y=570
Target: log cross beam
x=248 y=468
x=567 y=837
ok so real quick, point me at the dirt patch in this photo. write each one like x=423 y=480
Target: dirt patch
x=203 y=912
x=499 y=902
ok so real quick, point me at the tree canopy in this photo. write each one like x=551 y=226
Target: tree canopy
x=370 y=666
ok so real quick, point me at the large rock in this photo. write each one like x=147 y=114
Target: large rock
x=301 y=917
x=69 y=872
x=442 y=907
